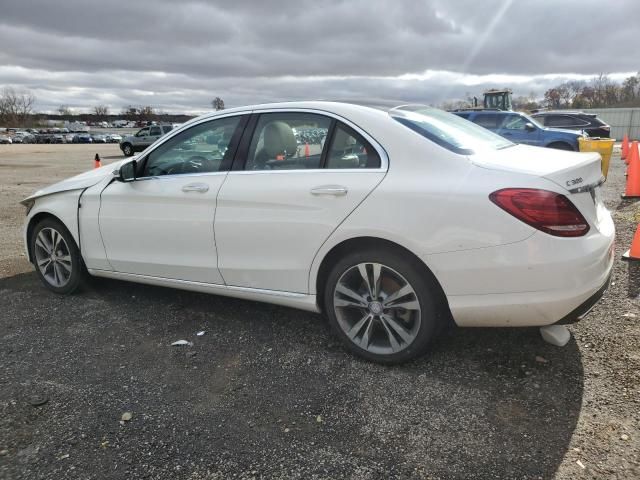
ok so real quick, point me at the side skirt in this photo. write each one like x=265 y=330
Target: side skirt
x=287 y=299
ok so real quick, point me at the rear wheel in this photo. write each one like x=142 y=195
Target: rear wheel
x=381 y=306
x=56 y=257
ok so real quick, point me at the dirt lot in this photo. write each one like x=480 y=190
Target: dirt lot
x=268 y=393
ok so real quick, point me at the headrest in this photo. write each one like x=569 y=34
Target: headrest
x=278 y=138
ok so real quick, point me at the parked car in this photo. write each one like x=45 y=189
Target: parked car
x=587 y=122
x=99 y=138
x=4 y=139
x=406 y=218
x=68 y=138
x=114 y=138
x=520 y=128
x=143 y=138
x=82 y=138
x=57 y=138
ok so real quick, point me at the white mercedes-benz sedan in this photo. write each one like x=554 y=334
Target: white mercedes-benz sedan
x=392 y=221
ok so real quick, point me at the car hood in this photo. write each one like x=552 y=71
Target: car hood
x=82 y=181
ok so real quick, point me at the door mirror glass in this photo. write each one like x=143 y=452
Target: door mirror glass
x=127 y=172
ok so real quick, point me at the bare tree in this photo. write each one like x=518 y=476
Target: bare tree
x=65 y=111
x=101 y=111
x=217 y=103
x=15 y=107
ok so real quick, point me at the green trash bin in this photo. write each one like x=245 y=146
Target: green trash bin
x=604 y=146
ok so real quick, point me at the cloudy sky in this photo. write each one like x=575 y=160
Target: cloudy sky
x=178 y=55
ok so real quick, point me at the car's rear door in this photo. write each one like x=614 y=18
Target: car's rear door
x=161 y=224
x=296 y=177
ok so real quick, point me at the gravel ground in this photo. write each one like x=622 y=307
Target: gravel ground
x=266 y=392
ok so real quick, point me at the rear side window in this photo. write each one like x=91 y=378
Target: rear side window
x=565 y=121
x=155 y=131
x=288 y=141
x=167 y=128
x=489 y=121
x=350 y=150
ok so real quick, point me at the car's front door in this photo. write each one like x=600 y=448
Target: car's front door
x=161 y=224
x=519 y=129
x=140 y=139
x=297 y=176
x=154 y=134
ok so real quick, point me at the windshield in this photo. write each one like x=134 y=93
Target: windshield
x=448 y=130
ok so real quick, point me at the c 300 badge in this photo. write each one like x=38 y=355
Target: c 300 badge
x=575 y=181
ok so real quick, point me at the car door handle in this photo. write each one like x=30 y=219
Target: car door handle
x=196 y=187
x=335 y=190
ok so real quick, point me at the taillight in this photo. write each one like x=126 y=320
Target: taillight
x=547 y=211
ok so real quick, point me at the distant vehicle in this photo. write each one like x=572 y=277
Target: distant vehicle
x=520 y=128
x=587 y=122
x=141 y=140
x=114 y=138
x=99 y=138
x=57 y=138
x=82 y=138
x=119 y=123
x=16 y=139
x=5 y=140
x=69 y=137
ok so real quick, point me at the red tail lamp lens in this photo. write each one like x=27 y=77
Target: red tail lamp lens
x=547 y=211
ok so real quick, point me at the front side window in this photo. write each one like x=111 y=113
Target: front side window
x=288 y=141
x=514 y=122
x=448 y=130
x=143 y=133
x=350 y=150
x=200 y=149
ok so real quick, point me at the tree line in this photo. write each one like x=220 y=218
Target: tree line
x=17 y=110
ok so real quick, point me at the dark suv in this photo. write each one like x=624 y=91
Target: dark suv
x=589 y=122
x=520 y=128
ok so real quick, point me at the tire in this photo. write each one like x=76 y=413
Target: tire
x=366 y=330
x=127 y=149
x=66 y=272
x=561 y=146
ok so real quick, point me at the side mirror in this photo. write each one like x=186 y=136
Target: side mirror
x=127 y=172
x=530 y=127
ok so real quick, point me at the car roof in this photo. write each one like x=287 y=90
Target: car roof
x=564 y=112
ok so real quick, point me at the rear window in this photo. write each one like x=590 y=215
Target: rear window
x=448 y=130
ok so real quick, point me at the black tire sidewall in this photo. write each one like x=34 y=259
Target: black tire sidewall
x=77 y=265
x=431 y=319
x=127 y=149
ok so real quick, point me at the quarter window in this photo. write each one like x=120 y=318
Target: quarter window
x=350 y=150
x=288 y=141
x=206 y=147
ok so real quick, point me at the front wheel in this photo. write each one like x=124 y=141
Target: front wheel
x=127 y=149
x=56 y=257
x=382 y=307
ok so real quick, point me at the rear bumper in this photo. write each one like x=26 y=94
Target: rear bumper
x=540 y=281
x=582 y=310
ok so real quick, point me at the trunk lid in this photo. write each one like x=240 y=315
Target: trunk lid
x=579 y=175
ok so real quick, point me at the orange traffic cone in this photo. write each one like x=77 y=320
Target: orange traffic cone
x=625 y=148
x=633 y=173
x=96 y=161
x=634 y=252
x=306 y=150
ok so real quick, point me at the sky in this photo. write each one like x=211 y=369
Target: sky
x=178 y=55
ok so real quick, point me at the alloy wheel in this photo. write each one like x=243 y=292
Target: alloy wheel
x=377 y=308
x=53 y=257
